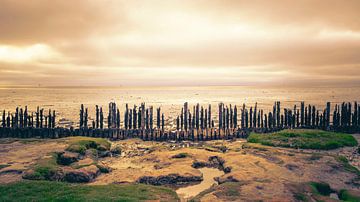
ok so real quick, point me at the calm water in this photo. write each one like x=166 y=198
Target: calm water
x=66 y=101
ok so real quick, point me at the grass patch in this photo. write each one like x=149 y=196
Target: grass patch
x=59 y=191
x=346 y=165
x=45 y=169
x=321 y=188
x=81 y=144
x=350 y=196
x=4 y=166
x=304 y=139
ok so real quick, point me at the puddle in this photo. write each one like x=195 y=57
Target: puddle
x=208 y=176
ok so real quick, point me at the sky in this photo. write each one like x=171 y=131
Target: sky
x=179 y=43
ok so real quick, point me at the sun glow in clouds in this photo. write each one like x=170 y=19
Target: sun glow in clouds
x=36 y=52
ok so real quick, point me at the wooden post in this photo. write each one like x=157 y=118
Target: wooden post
x=101 y=118
x=302 y=113
x=220 y=115
x=3 y=120
x=134 y=117
x=251 y=117
x=185 y=117
x=209 y=115
x=235 y=117
x=41 y=117
x=158 y=118
x=328 y=114
x=197 y=116
x=202 y=117
x=255 y=115
x=205 y=119
x=151 y=118
x=177 y=123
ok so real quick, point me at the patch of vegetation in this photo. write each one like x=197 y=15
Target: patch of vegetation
x=346 y=165
x=300 y=197
x=45 y=169
x=180 y=155
x=81 y=144
x=59 y=191
x=350 y=196
x=304 y=139
x=4 y=166
x=321 y=188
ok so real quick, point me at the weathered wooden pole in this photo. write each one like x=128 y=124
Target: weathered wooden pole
x=21 y=116
x=3 y=120
x=182 y=118
x=205 y=119
x=37 y=117
x=26 y=117
x=54 y=119
x=151 y=118
x=302 y=107
x=265 y=121
x=162 y=122
x=251 y=117
x=197 y=116
x=235 y=117
x=261 y=117
x=202 y=117
x=101 y=118
x=158 y=118
x=130 y=119
x=328 y=114
x=41 y=117
x=118 y=118
x=220 y=115
x=86 y=118
x=134 y=117
x=209 y=115
x=185 y=117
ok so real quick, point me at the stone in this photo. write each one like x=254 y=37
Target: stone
x=67 y=158
x=82 y=175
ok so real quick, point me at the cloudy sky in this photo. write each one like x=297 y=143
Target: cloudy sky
x=185 y=42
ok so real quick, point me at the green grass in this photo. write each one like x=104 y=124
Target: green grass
x=81 y=144
x=4 y=166
x=44 y=169
x=321 y=188
x=59 y=191
x=346 y=195
x=304 y=139
x=346 y=165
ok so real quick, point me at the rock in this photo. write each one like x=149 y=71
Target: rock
x=86 y=174
x=104 y=168
x=222 y=180
x=171 y=179
x=180 y=155
x=103 y=154
x=116 y=151
x=227 y=169
x=67 y=158
x=199 y=164
x=291 y=166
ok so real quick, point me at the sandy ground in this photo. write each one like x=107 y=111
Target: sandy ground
x=264 y=173
x=19 y=155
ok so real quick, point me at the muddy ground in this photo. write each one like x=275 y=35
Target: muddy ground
x=257 y=172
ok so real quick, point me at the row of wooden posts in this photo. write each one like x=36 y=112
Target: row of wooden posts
x=198 y=124
x=23 y=119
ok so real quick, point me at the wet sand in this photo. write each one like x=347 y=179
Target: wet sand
x=208 y=175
